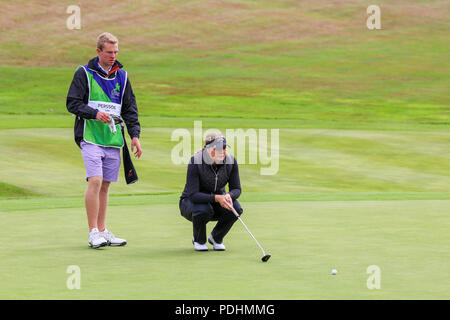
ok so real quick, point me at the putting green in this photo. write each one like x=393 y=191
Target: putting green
x=406 y=239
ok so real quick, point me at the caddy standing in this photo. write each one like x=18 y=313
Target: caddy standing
x=99 y=95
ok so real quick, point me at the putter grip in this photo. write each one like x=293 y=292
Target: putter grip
x=234 y=211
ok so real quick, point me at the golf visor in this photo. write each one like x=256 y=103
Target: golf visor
x=217 y=143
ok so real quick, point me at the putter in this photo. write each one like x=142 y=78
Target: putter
x=265 y=256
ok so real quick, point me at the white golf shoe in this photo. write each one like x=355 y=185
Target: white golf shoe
x=112 y=240
x=96 y=240
x=199 y=247
x=216 y=246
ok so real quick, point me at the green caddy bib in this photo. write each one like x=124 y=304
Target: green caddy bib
x=95 y=131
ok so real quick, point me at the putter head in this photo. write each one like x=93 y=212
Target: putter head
x=266 y=257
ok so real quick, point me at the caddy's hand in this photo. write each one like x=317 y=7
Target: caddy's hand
x=103 y=117
x=135 y=143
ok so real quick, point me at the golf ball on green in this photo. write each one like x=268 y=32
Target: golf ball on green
x=334 y=272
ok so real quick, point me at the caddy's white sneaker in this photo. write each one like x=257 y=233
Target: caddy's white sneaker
x=216 y=246
x=199 y=247
x=96 y=240
x=112 y=240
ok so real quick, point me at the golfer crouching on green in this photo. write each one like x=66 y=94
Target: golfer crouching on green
x=204 y=197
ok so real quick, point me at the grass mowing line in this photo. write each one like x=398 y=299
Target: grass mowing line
x=26 y=204
x=10 y=191
x=32 y=121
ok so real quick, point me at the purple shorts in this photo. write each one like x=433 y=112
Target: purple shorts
x=101 y=161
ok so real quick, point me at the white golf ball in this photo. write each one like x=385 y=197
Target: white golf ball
x=334 y=272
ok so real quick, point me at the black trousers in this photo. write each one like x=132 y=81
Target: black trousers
x=201 y=213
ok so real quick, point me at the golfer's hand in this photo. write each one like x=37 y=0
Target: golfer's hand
x=103 y=117
x=221 y=199
x=229 y=200
x=135 y=143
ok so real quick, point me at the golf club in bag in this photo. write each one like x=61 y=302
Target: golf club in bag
x=265 y=256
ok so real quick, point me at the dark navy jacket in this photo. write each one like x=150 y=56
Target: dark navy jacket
x=204 y=180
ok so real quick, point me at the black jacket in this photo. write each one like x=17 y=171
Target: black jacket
x=78 y=97
x=205 y=180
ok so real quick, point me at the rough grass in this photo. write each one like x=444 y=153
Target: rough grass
x=311 y=61
x=204 y=25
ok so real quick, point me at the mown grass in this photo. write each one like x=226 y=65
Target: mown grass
x=406 y=239
x=310 y=160
x=311 y=84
